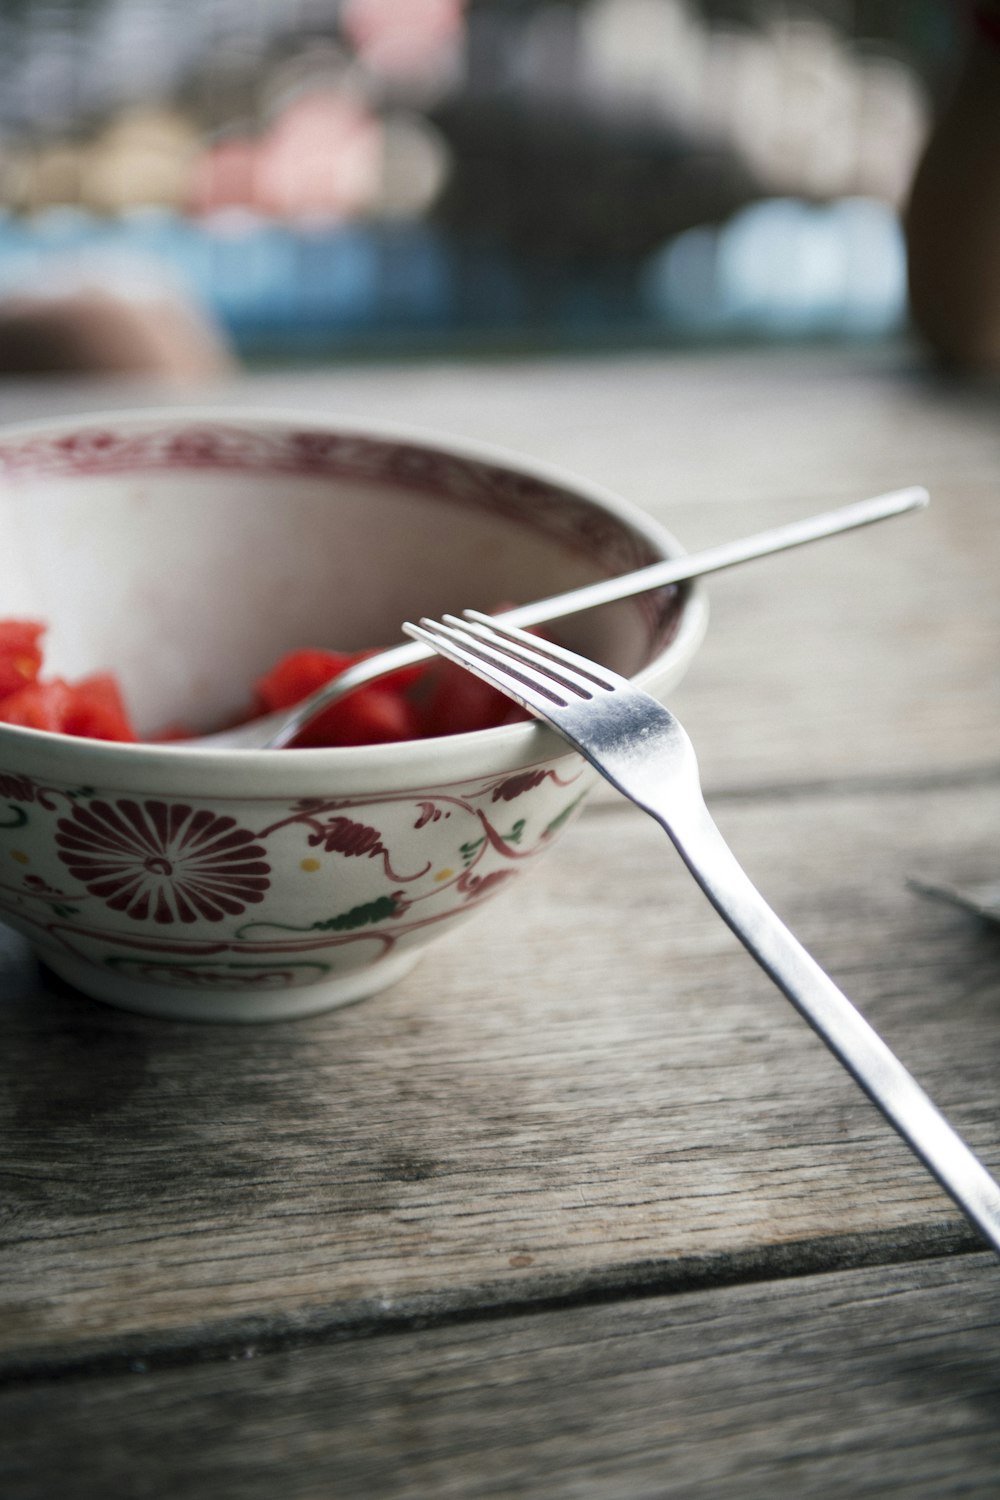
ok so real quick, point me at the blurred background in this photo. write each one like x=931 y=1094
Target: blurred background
x=330 y=177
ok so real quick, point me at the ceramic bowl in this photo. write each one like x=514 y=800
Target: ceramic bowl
x=186 y=552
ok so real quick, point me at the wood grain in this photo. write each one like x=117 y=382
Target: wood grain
x=580 y=1208
x=594 y=1082
x=869 y=1383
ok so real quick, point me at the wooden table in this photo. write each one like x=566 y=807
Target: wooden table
x=580 y=1208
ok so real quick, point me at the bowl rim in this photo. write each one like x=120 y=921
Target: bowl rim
x=440 y=760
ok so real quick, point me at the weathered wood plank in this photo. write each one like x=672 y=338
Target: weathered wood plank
x=877 y=1383
x=593 y=1084
x=872 y=654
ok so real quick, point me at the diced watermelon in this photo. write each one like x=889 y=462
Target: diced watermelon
x=20 y=654
x=38 y=705
x=422 y=701
x=298 y=674
x=97 y=710
x=92 y=708
x=459 y=702
x=370 y=716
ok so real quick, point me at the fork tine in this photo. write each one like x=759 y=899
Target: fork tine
x=576 y=672
x=454 y=639
x=512 y=648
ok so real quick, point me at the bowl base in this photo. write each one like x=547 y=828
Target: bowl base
x=240 y=1006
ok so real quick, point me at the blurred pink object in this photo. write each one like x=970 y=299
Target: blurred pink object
x=225 y=176
x=322 y=158
x=399 y=40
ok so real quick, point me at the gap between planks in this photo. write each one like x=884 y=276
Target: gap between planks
x=229 y=1338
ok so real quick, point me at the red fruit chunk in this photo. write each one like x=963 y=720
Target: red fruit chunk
x=92 y=708
x=38 y=705
x=20 y=654
x=297 y=675
x=301 y=672
x=425 y=700
x=97 y=710
x=460 y=701
x=370 y=716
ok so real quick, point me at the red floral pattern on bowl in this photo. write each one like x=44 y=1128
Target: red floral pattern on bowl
x=360 y=880
x=163 y=861
x=261 y=885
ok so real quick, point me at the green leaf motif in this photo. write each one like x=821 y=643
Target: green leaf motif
x=560 y=818
x=360 y=916
x=365 y=915
x=470 y=850
x=19 y=819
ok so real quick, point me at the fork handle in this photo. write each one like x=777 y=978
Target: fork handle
x=844 y=1030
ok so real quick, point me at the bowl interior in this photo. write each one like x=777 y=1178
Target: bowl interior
x=187 y=556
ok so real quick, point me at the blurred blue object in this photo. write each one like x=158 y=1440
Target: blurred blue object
x=778 y=269
x=680 y=286
x=874 y=250
x=783 y=268
x=253 y=273
x=175 y=243
x=415 y=277
x=20 y=254
x=336 y=276
x=490 y=287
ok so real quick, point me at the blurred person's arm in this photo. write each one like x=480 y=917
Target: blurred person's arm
x=93 y=332
x=953 y=219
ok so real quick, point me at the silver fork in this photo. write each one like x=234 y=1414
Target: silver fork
x=640 y=747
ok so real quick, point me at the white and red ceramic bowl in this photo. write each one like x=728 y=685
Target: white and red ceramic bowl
x=186 y=552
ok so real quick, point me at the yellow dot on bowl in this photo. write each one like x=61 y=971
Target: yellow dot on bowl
x=444 y=874
x=20 y=856
x=310 y=865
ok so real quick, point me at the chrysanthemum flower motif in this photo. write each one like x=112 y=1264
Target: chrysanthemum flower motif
x=163 y=861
